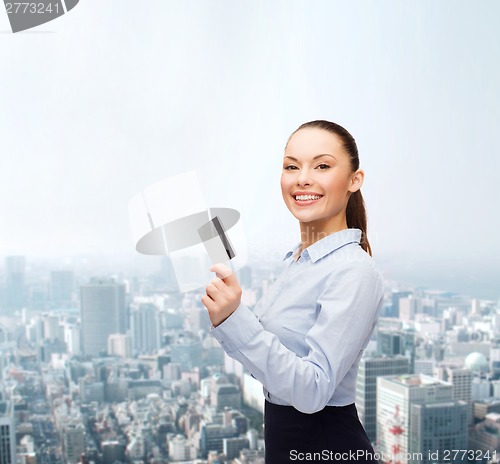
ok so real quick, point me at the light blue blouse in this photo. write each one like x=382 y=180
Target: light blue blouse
x=305 y=336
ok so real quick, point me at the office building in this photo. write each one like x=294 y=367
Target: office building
x=407 y=308
x=231 y=447
x=136 y=447
x=72 y=337
x=103 y=313
x=73 y=442
x=424 y=366
x=15 y=288
x=485 y=436
x=366 y=388
x=7 y=434
x=480 y=389
x=112 y=452
x=187 y=352
x=212 y=436
x=481 y=408
x=225 y=396
x=179 y=449
x=393 y=310
x=91 y=390
x=198 y=320
x=437 y=414
x=393 y=342
x=461 y=379
x=436 y=427
x=120 y=345
x=52 y=327
x=145 y=327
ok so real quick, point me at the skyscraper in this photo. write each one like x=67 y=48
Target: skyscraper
x=103 y=313
x=392 y=342
x=15 y=289
x=73 y=442
x=393 y=310
x=461 y=379
x=437 y=428
x=366 y=389
x=7 y=434
x=417 y=414
x=407 y=308
x=72 y=337
x=145 y=327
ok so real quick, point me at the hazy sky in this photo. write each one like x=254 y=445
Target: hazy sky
x=117 y=95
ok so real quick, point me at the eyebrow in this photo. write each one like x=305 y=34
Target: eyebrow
x=316 y=157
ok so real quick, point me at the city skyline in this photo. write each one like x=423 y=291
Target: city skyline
x=202 y=405
x=477 y=279
x=86 y=359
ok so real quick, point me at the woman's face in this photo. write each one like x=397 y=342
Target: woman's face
x=317 y=178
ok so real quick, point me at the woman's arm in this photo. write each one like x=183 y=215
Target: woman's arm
x=349 y=307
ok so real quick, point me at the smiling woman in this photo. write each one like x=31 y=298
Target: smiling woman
x=323 y=155
x=305 y=337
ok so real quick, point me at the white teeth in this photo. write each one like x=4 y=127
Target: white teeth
x=307 y=197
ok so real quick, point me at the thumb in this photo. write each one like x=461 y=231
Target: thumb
x=223 y=272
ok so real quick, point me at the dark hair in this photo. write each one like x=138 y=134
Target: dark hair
x=355 y=212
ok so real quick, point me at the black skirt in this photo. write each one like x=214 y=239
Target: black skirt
x=332 y=434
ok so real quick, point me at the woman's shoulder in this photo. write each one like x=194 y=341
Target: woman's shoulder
x=353 y=259
x=352 y=254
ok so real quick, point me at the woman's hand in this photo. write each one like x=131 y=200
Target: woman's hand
x=223 y=294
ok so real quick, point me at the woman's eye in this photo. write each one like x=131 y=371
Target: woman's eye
x=290 y=167
x=323 y=166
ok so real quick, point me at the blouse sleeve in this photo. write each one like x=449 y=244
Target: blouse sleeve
x=348 y=310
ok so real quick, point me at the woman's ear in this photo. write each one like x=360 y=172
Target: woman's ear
x=357 y=180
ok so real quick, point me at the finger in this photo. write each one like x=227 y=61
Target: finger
x=208 y=303
x=224 y=272
x=212 y=291
x=219 y=284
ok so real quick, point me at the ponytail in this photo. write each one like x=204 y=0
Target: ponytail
x=356 y=218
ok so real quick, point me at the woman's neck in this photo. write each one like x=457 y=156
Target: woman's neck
x=311 y=232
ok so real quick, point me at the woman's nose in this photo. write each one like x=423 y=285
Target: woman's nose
x=304 y=177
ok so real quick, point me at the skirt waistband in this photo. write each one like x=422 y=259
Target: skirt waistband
x=346 y=407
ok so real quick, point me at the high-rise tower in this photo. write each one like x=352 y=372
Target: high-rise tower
x=103 y=313
x=7 y=434
x=366 y=388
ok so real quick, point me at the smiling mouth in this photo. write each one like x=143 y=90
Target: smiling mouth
x=306 y=197
x=306 y=200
